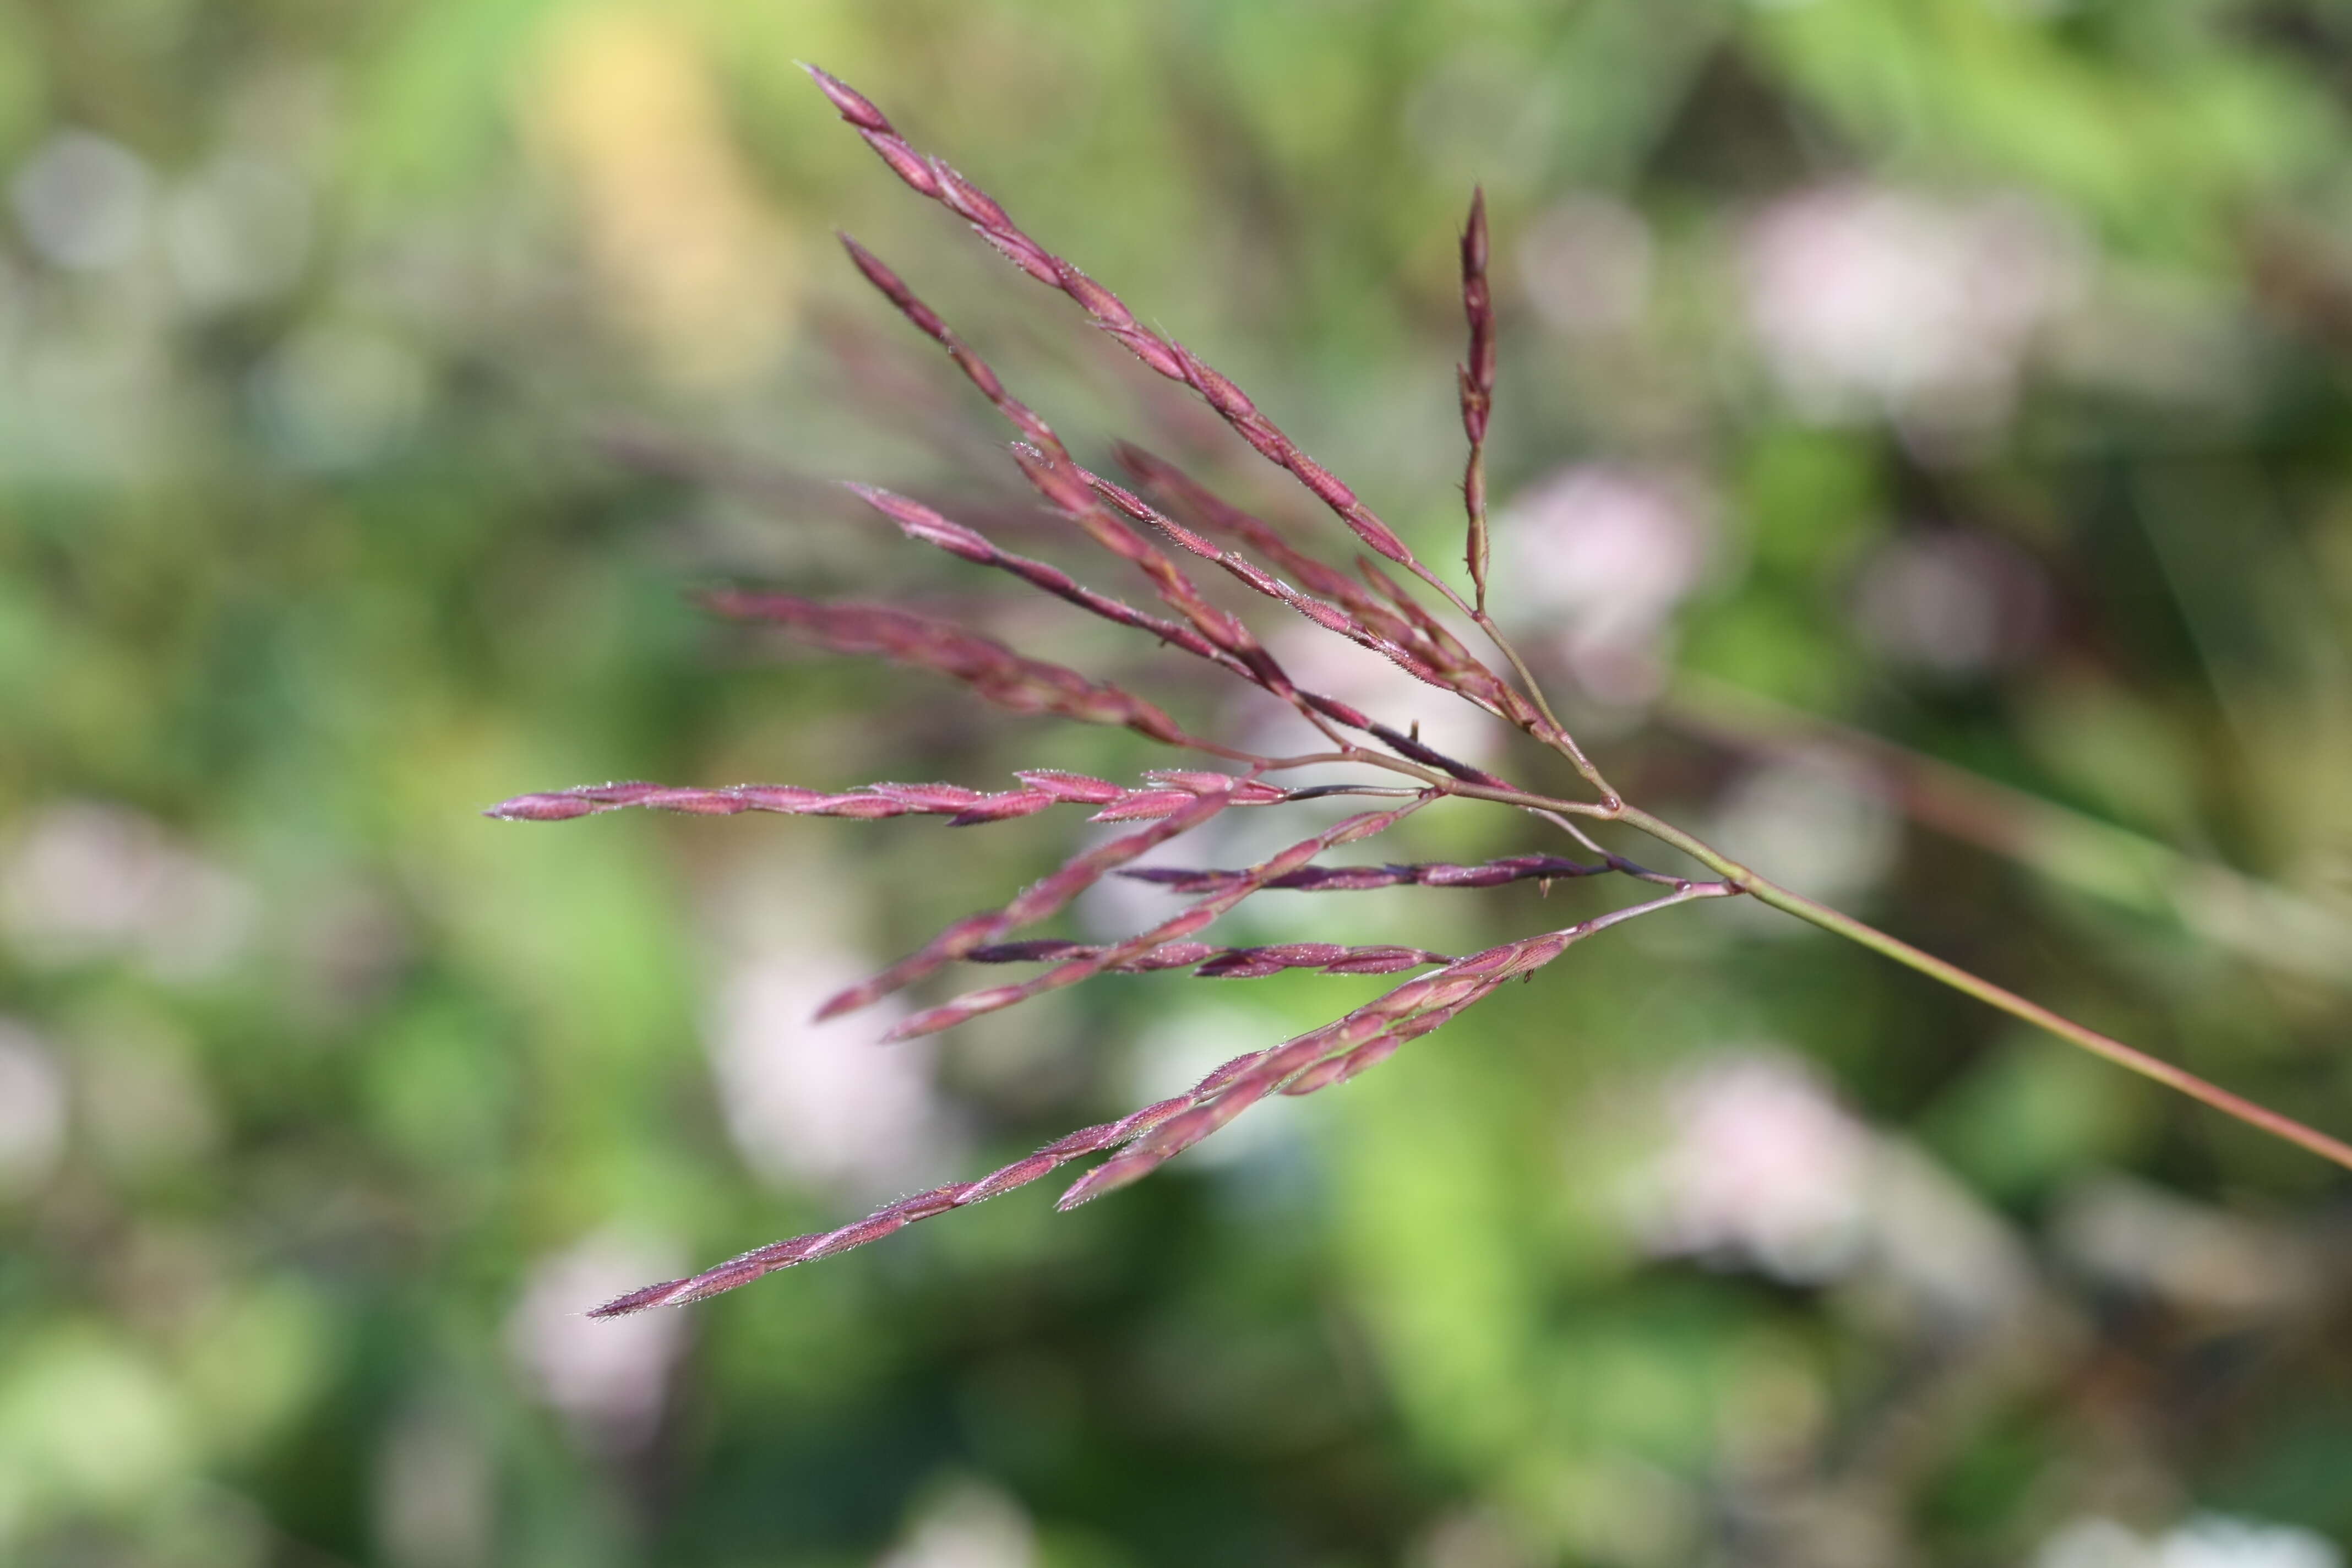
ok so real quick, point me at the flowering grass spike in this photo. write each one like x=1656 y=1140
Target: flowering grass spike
x=1401 y=620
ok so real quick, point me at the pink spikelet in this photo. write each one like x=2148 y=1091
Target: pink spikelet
x=933 y=178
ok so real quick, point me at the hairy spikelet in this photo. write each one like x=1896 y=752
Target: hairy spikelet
x=1166 y=793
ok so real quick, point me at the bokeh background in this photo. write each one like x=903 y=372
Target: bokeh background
x=1922 y=448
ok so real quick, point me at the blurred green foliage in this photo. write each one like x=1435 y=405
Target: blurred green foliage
x=1970 y=373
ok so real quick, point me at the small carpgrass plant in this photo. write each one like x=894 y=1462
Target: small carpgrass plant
x=1375 y=608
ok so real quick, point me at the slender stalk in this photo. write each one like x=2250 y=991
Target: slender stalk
x=2136 y=1060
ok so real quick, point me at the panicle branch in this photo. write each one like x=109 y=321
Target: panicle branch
x=1209 y=962
x=972 y=1003
x=749 y=1266
x=1160 y=1131
x=1035 y=902
x=1340 y=1049
x=1359 y=879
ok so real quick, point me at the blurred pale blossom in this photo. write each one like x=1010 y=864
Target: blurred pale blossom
x=1819 y=819
x=237 y=231
x=1585 y=264
x=86 y=879
x=86 y=396
x=338 y=395
x=1952 y=603
x=607 y=1379
x=1117 y=907
x=2206 y=1541
x=1867 y=299
x=1599 y=556
x=820 y=1103
x=972 y=1526
x=1324 y=661
x=81 y=201
x=32 y=1110
x=2195 y=1257
x=2218 y=1541
x=1953 y=1257
x=811 y=1103
x=1761 y=1167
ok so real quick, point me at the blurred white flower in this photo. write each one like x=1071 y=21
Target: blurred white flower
x=820 y=1103
x=1607 y=553
x=337 y=395
x=1817 y=820
x=88 y=395
x=1867 y=299
x=84 y=880
x=237 y=231
x=2197 y=1258
x=81 y=200
x=1586 y=265
x=1324 y=661
x=607 y=1379
x=1952 y=603
x=974 y=1526
x=2207 y=1541
x=32 y=1110
x=811 y=1103
x=1760 y=1167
